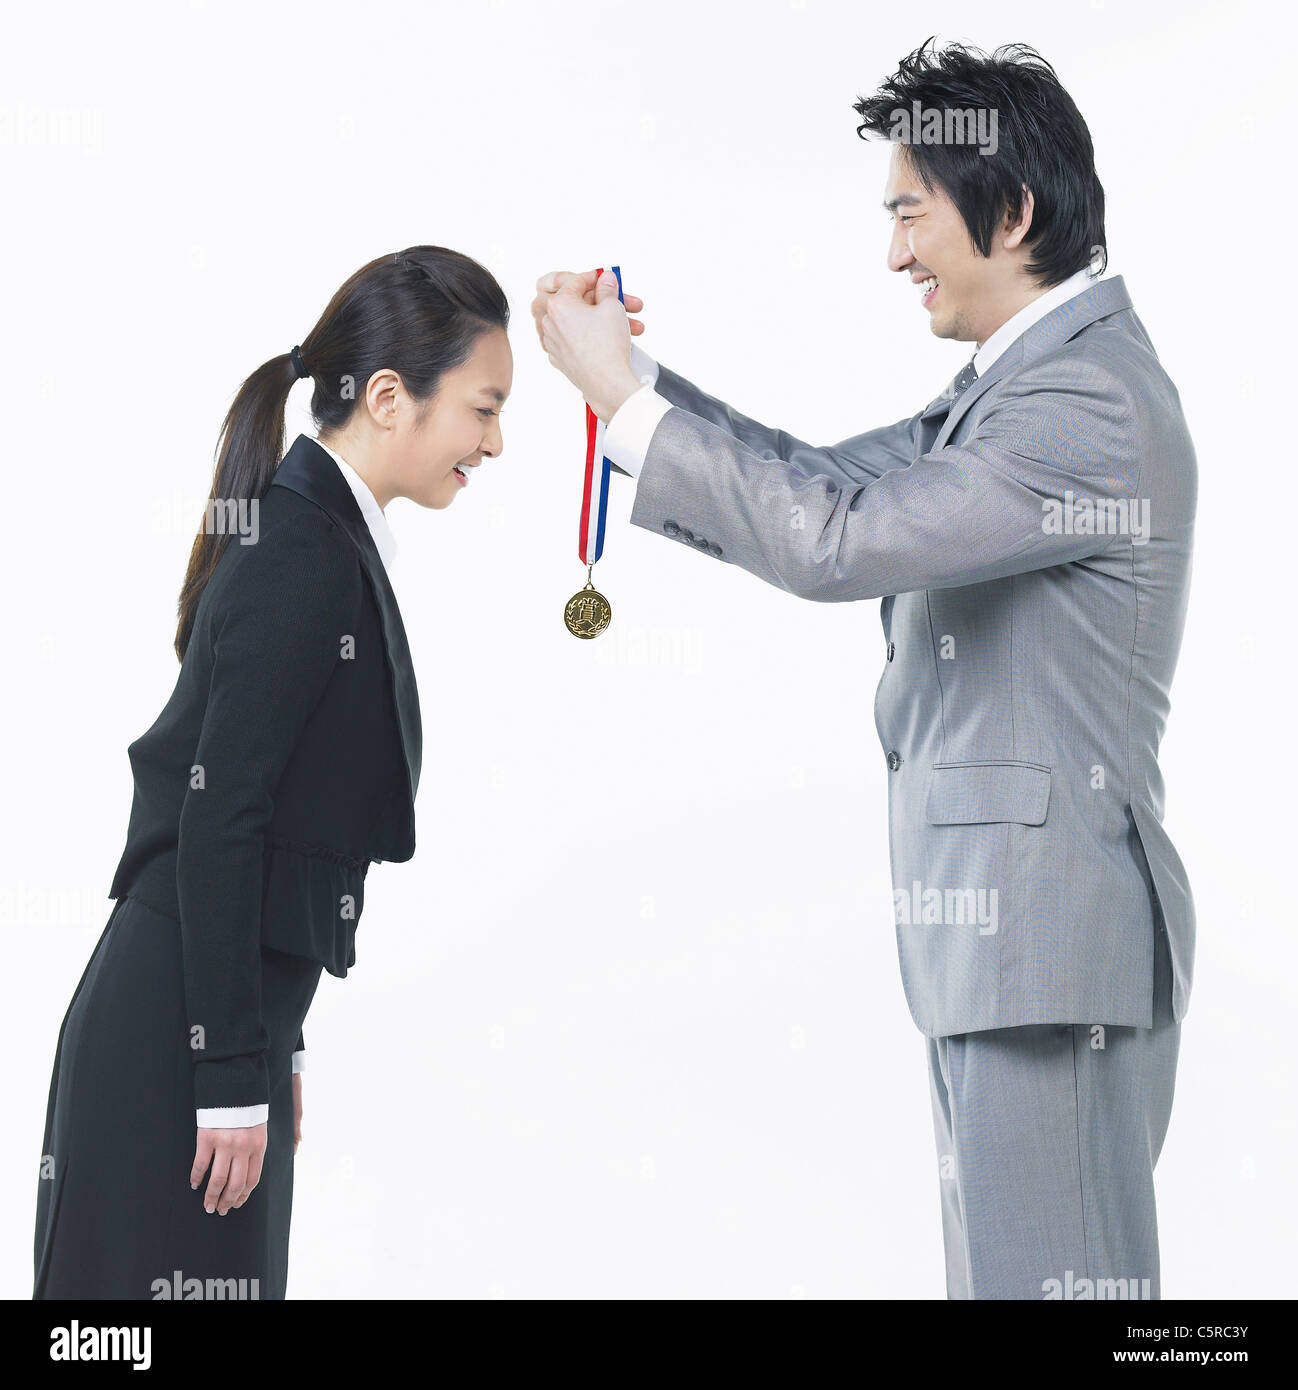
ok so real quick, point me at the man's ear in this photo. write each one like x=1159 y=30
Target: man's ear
x=1015 y=230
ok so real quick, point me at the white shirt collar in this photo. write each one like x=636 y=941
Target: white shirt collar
x=1018 y=324
x=384 y=541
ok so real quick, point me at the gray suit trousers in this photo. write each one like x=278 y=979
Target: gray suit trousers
x=1047 y=1137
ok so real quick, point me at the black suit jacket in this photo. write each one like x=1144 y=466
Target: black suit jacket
x=285 y=762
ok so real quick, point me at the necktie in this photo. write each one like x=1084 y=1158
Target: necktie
x=964 y=379
x=934 y=416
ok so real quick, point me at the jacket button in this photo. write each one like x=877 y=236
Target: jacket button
x=672 y=528
x=701 y=543
x=894 y=760
x=687 y=534
x=715 y=549
x=892 y=651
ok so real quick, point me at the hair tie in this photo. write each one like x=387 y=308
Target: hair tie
x=299 y=367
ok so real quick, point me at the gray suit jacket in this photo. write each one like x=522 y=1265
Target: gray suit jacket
x=1032 y=551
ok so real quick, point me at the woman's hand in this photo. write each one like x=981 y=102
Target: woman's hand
x=297 y=1109
x=236 y=1157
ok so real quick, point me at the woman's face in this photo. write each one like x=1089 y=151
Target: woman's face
x=434 y=452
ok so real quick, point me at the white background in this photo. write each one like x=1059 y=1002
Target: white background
x=630 y=1023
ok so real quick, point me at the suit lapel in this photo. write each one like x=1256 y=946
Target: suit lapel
x=308 y=470
x=932 y=418
x=1005 y=363
x=1061 y=323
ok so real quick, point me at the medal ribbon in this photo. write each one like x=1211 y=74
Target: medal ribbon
x=590 y=538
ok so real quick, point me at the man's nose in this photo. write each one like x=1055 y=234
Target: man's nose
x=899 y=255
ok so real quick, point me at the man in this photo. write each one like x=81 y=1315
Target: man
x=1029 y=534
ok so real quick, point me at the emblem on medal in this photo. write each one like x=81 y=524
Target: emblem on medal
x=587 y=613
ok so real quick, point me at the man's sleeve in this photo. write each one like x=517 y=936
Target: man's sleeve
x=857 y=459
x=627 y=434
x=636 y=418
x=285 y=611
x=995 y=505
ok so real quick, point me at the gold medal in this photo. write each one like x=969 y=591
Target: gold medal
x=587 y=613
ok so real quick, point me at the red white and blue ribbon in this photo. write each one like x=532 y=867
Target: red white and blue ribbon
x=594 y=497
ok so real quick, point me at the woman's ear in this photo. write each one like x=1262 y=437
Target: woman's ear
x=385 y=395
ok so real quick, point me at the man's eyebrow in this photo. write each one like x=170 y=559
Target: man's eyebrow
x=906 y=200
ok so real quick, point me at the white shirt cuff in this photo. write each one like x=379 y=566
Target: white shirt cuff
x=299 y=1062
x=233 y=1117
x=643 y=365
x=628 y=433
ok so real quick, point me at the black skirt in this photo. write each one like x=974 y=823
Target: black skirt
x=115 y=1215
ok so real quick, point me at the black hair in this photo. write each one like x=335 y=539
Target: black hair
x=418 y=312
x=1041 y=142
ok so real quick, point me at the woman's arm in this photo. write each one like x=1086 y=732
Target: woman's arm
x=275 y=642
x=285 y=611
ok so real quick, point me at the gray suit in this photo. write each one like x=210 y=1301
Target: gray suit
x=1030 y=541
x=1027 y=682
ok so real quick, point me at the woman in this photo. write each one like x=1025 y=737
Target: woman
x=285 y=762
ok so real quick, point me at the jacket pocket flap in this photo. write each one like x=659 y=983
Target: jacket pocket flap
x=991 y=790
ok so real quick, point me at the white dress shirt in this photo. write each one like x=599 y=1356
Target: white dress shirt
x=384 y=540
x=244 y=1116
x=628 y=434
x=1018 y=324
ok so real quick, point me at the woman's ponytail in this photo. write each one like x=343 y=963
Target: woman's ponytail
x=250 y=448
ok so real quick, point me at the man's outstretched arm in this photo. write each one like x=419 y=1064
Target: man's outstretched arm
x=857 y=459
x=963 y=514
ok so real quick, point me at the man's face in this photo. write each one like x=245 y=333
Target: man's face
x=930 y=242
